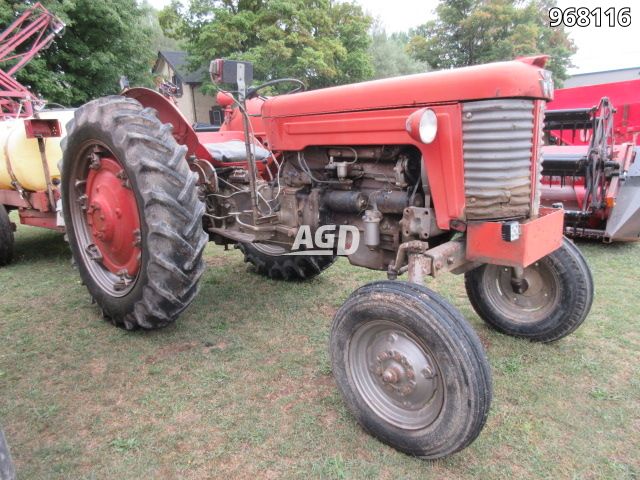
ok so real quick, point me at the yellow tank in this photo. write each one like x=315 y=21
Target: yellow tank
x=24 y=155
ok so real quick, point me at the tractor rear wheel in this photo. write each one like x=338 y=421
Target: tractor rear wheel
x=553 y=302
x=132 y=213
x=270 y=261
x=410 y=369
x=6 y=238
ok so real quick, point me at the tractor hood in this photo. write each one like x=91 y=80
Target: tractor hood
x=523 y=78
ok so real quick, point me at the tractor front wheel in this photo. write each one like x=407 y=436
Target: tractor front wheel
x=549 y=302
x=132 y=213
x=410 y=369
x=6 y=238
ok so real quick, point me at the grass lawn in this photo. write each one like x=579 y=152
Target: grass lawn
x=241 y=387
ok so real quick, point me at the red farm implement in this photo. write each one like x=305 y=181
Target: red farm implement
x=29 y=34
x=29 y=133
x=591 y=161
x=624 y=96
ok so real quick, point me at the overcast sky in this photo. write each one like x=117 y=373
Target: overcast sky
x=603 y=48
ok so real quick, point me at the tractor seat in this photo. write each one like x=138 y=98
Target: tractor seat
x=235 y=151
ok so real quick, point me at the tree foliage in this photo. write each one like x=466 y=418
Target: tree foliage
x=159 y=40
x=390 y=57
x=470 y=32
x=322 y=42
x=102 y=41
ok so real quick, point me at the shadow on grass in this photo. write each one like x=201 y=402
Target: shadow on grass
x=42 y=246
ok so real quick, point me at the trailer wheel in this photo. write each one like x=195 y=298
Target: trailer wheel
x=6 y=238
x=133 y=217
x=410 y=369
x=270 y=261
x=556 y=299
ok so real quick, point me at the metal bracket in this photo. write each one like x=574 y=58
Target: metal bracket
x=47 y=173
x=418 y=260
x=242 y=86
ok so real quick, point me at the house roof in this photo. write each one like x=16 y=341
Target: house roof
x=607 y=71
x=179 y=63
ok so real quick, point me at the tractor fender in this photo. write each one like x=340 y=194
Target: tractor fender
x=167 y=112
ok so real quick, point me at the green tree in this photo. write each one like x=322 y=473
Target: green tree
x=390 y=57
x=322 y=42
x=159 y=40
x=102 y=41
x=470 y=32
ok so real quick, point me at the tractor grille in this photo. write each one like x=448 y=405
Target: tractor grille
x=497 y=140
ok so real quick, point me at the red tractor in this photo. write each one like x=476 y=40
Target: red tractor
x=426 y=174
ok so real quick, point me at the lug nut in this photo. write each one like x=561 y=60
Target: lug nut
x=427 y=373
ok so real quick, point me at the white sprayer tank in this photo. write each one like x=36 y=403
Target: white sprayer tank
x=23 y=154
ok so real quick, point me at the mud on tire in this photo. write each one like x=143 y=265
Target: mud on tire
x=272 y=264
x=170 y=214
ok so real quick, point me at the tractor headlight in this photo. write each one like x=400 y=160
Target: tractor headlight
x=423 y=125
x=428 y=126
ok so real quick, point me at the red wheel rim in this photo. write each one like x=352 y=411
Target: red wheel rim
x=112 y=217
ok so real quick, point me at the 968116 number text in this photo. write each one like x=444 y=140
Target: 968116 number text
x=585 y=17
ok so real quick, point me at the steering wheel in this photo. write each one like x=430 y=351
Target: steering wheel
x=300 y=87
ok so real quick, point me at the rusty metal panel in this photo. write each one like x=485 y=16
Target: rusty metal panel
x=42 y=128
x=498 y=138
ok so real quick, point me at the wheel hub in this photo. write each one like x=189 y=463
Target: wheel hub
x=532 y=298
x=396 y=375
x=112 y=216
x=532 y=292
x=391 y=375
x=395 y=372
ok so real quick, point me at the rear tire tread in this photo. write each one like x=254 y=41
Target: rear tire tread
x=284 y=267
x=167 y=190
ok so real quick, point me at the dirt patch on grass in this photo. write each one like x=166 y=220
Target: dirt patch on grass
x=169 y=351
x=328 y=310
x=97 y=367
x=220 y=346
x=307 y=390
x=221 y=261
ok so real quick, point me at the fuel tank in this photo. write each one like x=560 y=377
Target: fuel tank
x=21 y=155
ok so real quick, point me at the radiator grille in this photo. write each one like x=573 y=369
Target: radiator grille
x=497 y=140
